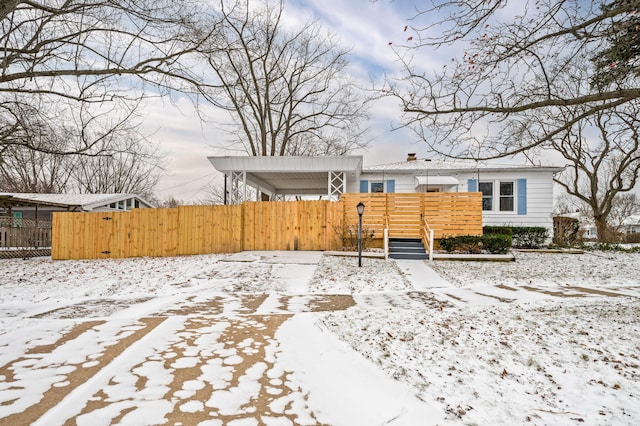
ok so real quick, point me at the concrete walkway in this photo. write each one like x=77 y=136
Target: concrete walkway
x=421 y=276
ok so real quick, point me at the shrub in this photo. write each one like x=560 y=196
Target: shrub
x=566 y=231
x=496 y=243
x=493 y=243
x=500 y=230
x=348 y=236
x=463 y=243
x=632 y=238
x=529 y=236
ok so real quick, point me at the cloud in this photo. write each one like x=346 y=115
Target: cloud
x=363 y=26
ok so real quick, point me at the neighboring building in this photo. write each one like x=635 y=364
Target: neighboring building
x=41 y=206
x=631 y=225
x=520 y=195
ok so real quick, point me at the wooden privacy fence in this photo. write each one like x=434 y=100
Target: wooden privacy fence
x=447 y=213
x=301 y=225
x=296 y=225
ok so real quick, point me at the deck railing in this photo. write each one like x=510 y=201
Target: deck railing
x=427 y=237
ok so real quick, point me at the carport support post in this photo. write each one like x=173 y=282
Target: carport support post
x=360 y=208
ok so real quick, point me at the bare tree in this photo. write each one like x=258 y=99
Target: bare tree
x=170 y=202
x=214 y=195
x=25 y=170
x=67 y=55
x=288 y=91
x=134 y=168
x=513 y=72
x=44 y=169
x=624 y=205
x=602 y=167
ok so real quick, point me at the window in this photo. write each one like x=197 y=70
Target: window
x=17 y=219
x=506 y=197
x=487 y=195
x=377 y=186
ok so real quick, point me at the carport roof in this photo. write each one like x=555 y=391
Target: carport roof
x=289 y=175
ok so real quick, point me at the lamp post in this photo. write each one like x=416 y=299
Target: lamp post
x=360 y=208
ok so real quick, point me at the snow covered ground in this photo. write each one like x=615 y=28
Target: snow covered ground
x=299 y=338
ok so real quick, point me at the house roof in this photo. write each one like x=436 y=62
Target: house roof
x=289 y=175
x=632 y=220
x=69 y=201
x=454 y=165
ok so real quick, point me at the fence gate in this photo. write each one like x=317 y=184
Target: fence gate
x=405 y=215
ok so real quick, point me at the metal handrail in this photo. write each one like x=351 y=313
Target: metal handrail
x=427 y=237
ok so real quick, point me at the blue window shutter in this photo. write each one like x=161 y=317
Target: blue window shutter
x=472 y=185
x=391 y=185
x=364 y=186
x=522 y=196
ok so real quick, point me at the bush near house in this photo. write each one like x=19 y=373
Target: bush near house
x=500 y=230
x=632 y=238
x=522 y=236
x=566 y=231
x=529 y=236
x=474 y=244
x=348 y=236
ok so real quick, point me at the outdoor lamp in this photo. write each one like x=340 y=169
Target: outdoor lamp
x=360 y=208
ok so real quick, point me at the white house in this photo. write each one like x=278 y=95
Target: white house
x=519 y=195
x=631 y=224
x=512 y=194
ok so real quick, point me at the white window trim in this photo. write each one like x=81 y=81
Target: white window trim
x=493 y=194
x=495 y=205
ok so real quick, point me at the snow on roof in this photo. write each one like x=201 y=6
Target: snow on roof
x=632 y=220
x=422 y=164
x=347 y=163
x=83 y=200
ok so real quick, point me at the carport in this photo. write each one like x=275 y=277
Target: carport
x=287 y=176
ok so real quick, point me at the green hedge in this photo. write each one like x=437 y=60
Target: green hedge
x=529 y=236
x=493 y=243
x=497 y=239
x=500 y=230
x=497 y=243
x=522 y=236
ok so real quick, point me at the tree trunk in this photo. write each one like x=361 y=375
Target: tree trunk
x=605 y=233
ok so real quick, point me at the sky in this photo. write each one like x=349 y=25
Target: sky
x=366 y=27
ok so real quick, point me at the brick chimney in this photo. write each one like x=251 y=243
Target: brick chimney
x=411 y=156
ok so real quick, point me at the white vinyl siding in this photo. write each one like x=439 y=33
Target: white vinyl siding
x=539 y=198
x=539 y=193
x=392 y=183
